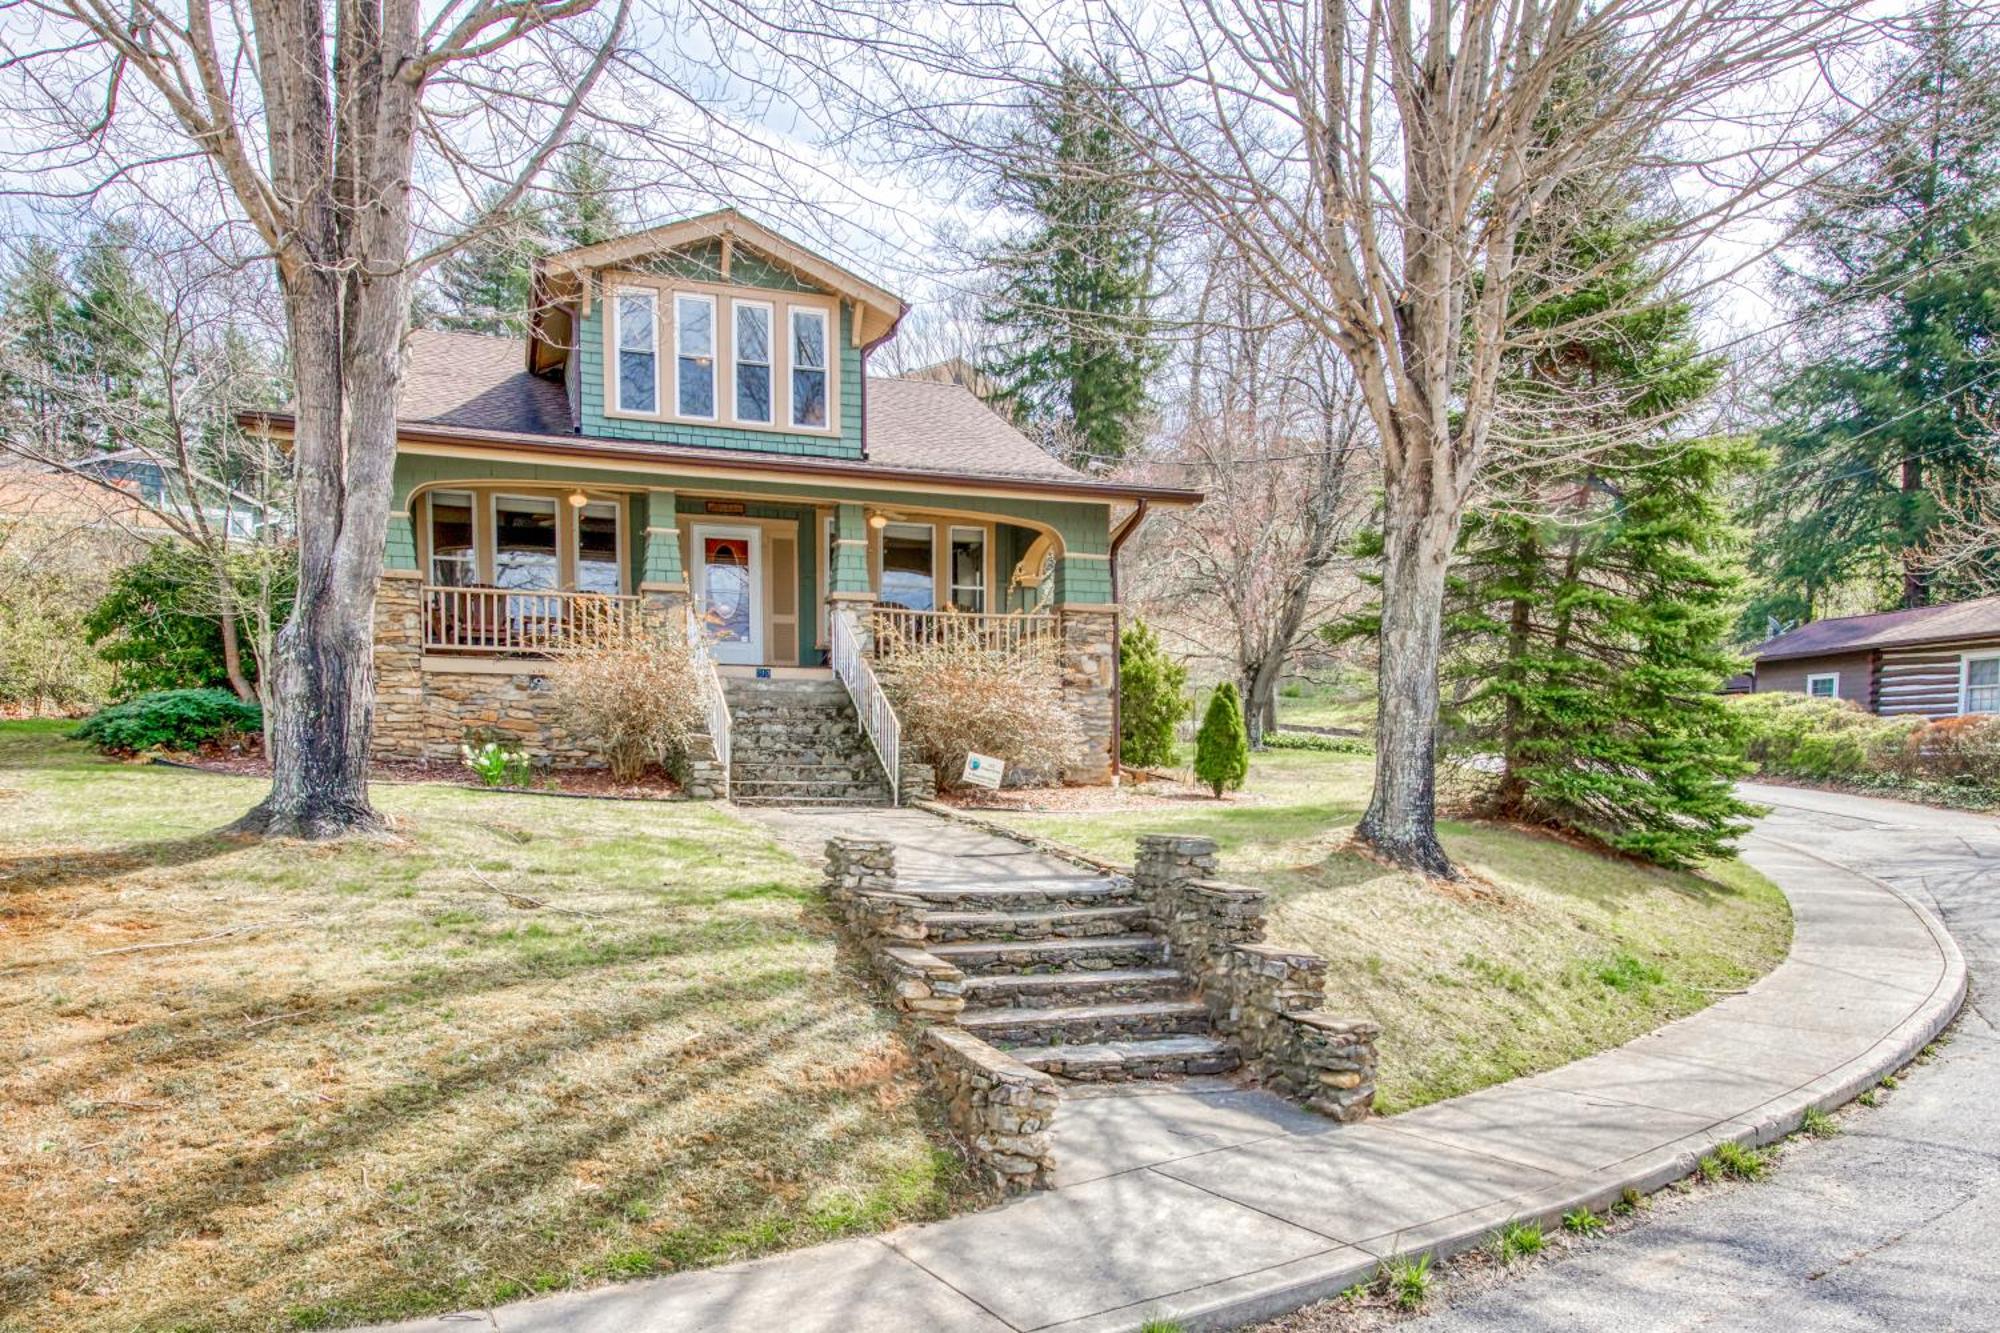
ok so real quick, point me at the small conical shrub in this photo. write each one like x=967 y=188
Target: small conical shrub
x=1222 y=747
x=1152 y=698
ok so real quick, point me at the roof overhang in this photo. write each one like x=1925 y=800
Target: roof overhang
x=561 y=278
x=724 y=464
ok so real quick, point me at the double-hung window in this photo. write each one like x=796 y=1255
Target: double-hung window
x=694 y=355
x=454 y=563
x=968 y=569
x=753 y=361
x=597 y=548
x=809 y=353
x=638 y=351
x=1982 y=685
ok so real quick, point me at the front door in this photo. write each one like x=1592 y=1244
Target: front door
x=729 y=589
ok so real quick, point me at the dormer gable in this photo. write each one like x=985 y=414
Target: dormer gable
x=712 y=331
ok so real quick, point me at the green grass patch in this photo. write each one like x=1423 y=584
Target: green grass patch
x=521 y=1045
x=1517 y=1241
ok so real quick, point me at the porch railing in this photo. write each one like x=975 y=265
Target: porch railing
x=1015 y=633
x=498 y=620
x=878 y=719
x=715 y=704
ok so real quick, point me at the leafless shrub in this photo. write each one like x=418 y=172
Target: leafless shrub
x=639 y=701
x=955 y=697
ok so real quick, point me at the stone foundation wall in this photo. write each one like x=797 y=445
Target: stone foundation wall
x=1000 y=1110
x=1262 y=997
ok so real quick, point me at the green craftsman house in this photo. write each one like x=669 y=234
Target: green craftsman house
x=690 y=435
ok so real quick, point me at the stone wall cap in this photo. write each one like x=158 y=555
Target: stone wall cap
x=1222 y=887
x=962 y=1045
x=1325 y=1022
x=1282 y=952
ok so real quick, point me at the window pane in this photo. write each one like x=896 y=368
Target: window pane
x=597 y=548
x=753 y=334
x=809 y=339
x=697 y=387
x=697 y=327
x=968 y=569
x=907 y=579
x=524 y=545
x=753 y=393
x=635 y=382
x=809 y=397
x=635 y=321
x=1821 y=687
x=1983 y=671
x=452 y=563
x=726 y=588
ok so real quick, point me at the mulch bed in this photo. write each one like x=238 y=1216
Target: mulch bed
x=1151 y=794
x=591 y=782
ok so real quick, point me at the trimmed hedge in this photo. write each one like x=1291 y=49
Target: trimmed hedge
x=172 y=720
x=1312 y=740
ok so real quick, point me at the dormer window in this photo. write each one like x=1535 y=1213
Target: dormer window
x=753 y=361
x=638 y=351
x=809 y=368
x=694 y=354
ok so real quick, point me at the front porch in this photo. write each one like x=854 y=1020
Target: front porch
x=494 y=573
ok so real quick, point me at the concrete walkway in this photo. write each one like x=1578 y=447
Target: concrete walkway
x=1215 y=1206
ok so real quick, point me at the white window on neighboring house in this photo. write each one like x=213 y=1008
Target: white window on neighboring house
x=694 y=356
x=1824 y=685
x=1982 y=685
x=967 y=569
x=454 y=563
x=637 y=317
x=809 y=366
x=753 y=361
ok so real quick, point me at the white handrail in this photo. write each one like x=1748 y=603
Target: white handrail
x=851 y=668
x=714 y=701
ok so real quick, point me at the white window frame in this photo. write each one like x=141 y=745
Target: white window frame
x=1814 y=677
x=770 y=362
x=1965 y=686
x=951 y=587
x=618 y=295
x=714 y=357
x=793 y=314
x=493 y=534
x=430 y=536
x=620 y=557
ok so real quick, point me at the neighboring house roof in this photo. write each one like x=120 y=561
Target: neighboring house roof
x=473 y=387
x=1890 y=629
x=54 y=497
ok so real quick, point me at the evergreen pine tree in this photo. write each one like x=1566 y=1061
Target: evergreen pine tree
x=1072 y=302
x=1222 y=746
x=40 y=353
x=1893 y=392
x=483 y=287
x=1152 y=698
x=585 y=208
x=1591 y=603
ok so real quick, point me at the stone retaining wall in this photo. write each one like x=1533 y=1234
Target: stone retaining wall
x=1000 y=1109
x=1262 y=997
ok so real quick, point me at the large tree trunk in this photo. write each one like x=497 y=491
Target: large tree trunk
x=1401 y=819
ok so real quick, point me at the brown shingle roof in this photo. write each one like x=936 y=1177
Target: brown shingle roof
x=478 y=382
x=1890 y=629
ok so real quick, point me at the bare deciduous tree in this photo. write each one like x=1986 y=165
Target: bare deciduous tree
x=1375 y=164
x=1270 y=428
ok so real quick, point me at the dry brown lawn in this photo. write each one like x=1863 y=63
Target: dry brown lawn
x=528 y=1044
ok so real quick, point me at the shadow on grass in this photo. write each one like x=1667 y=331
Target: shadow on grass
x=36 y=872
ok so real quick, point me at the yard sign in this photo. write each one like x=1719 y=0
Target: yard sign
x=983 y=770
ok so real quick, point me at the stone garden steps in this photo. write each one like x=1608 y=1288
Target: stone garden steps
x=1094 y=954
x=1058 y=990
x=798 y=742
x=1024 y=896
x=1108 y=1061
x=1113 y=1021
x=1064 y=923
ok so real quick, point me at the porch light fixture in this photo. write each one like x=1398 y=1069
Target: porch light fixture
x=878 y=521
x=577 y=499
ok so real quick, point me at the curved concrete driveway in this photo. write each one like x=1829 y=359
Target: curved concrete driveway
x=1216 y=1206
x=1896 y=1223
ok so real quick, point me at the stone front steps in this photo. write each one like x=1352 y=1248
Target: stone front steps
x=795 y=741
x=1069 y=977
